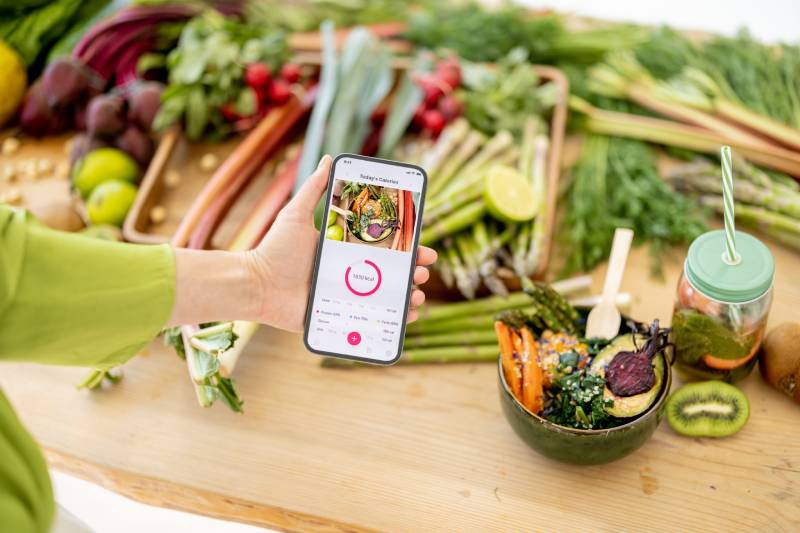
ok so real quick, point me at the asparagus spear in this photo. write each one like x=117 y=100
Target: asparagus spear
x=443 y=354
x=452 y=338
x=463 y=152
x=451 y=137
x=783 y=227
x=774 y=198
x=445 y=269
x=460 y=272
x=452 y=223
x=468 y=254
x=494 y=304
x=494 y=149
x=532 y=260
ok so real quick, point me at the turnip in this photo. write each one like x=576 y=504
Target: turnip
x=105 y=116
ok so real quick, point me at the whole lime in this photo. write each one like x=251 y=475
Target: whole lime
x=331 y=217
x=335 y=233
x=101 y=165
x=110 y=202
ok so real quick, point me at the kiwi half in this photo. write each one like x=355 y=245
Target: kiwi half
x=707 y=409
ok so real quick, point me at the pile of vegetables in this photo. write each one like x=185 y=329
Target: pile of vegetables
x=223 y=76
x=485 y=205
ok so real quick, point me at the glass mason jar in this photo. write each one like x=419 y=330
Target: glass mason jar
x=721 y=308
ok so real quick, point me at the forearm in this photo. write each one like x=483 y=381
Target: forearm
x=211 y=286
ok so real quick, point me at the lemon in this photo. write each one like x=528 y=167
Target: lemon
x=110 y=201
x=101 y=165
x=508 y=195
x=12 y=89
x=335 y=233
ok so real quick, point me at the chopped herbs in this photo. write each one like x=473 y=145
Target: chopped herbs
x=576 y=400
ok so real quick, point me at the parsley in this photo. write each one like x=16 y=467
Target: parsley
x=576 y=400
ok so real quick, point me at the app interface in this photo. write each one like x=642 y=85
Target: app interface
x=365 y=261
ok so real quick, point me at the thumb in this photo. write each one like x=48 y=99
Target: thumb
x=312 y=190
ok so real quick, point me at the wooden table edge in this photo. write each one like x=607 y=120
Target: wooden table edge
x=170 y=495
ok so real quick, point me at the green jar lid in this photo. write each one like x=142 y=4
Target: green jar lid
x=708 y=271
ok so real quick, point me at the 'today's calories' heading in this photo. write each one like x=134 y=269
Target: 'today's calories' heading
x=379 y=179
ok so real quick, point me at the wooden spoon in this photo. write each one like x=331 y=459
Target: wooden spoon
x=604 y=319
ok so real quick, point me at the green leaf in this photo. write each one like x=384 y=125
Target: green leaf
x=196 y=113
x=173 y=337
x=150 y=61
x=247 y=103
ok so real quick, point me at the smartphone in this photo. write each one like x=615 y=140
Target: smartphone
x=365 y=259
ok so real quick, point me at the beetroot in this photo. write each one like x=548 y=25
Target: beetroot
x=105 y=116
x=82 y=144
x=65 y=81
x=137 y=144
x=144 y=100
x=631 y=373
x=37 y=118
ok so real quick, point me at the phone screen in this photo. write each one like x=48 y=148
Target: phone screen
x=365 y=259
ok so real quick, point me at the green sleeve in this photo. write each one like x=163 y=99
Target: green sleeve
x=68 y=299
x=26 y=496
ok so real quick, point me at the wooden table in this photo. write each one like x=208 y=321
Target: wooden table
x=405 y=449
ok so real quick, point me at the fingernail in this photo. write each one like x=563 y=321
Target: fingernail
x=322 y=161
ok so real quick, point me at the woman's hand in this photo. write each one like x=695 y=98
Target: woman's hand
x=269 y=284
x=284 y=261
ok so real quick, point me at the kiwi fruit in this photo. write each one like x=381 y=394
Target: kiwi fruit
x=707 y=409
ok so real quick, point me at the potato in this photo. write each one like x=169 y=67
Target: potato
x=780 y=359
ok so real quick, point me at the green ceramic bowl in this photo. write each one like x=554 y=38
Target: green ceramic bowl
x=582 y=446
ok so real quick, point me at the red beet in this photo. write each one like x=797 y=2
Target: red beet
x=631 y=373
x=433 y=121
x=290 y=72
x=82 y=144
x=257 y=75
x=144 y=100
x=451 y=107
x=137 y=144
x=65 y=81
x=279 y=92
x=37 y=118
x=105 y=116
x=79 y=115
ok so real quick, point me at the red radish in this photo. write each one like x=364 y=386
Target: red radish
x=449 y=72
x=451 y=107
x=228 y=111
x=419 y=114
x=432 y=92
x=290 y=72
x=378 y=116
x=257 y=75
x=279 y=92
x=433 y=121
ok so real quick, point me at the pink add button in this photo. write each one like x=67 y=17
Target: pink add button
x=353 y=338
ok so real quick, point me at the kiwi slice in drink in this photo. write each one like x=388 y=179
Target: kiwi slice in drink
x=707 y=409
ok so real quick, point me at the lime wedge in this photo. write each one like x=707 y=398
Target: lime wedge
x=508 y=195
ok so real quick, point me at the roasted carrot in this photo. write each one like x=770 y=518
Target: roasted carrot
x=511 y=370
x=532 y=378
x=398 y=231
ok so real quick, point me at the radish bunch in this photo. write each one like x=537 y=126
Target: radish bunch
x=440 y=105
x=266 y=90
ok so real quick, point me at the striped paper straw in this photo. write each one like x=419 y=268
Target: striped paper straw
x=727 y=199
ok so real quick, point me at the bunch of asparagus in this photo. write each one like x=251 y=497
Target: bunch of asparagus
x=464 y=331
x=474 y=248
x=768 y=202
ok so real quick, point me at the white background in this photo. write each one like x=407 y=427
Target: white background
x=769 y=20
